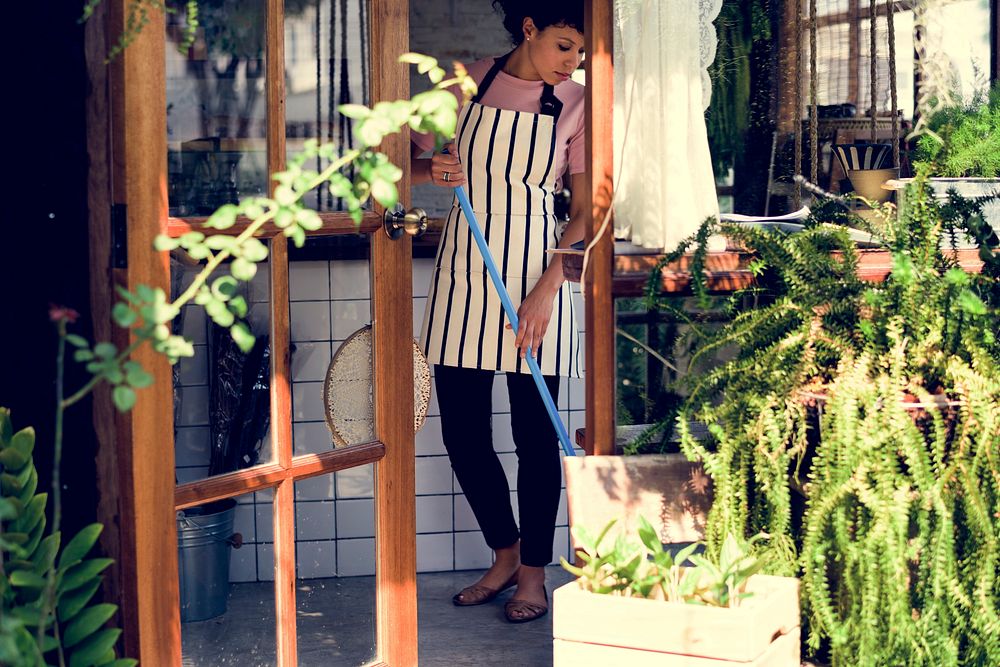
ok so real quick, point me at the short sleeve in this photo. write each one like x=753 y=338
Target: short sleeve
x=577 y=159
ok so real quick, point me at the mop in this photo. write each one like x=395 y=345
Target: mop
x=491 y=267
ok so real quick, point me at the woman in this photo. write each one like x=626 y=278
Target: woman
x=516 y=140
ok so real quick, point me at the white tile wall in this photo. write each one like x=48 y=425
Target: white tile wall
x=316 y=559
x=355 y=557
x=335 y=513
x=471 y=551
x=310 y=361
x=315 y=521
x=435 y=552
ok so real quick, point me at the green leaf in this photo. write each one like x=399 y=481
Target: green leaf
x=243 y=269
x=357 y=111
x=242 y=336
x=254 y=250
x=238 y=306
x=83 y=572
x=88 y=652
x=33 y=514
x=26 y=579
x=648 y=536
x=122 y=662
x=385 y=193
x=71 y=602
x=77 y=341
x=971 y=303
x=191 y=239
x=105 y=350
x=87 y=623
x=83 y=355
x=123 y=397
x=220 y=314
x=45 y=554
x=123 y=315
x=224 y=217
x=9 y=508
x=163 y=243
x=225 y=287
x=308 y=219
x=80 y=545
x=297 y=235
x=221 y=242
x=136 y=375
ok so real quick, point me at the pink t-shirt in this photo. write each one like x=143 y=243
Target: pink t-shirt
x=510 y=92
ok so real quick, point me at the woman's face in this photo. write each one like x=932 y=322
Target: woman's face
x=554 y=52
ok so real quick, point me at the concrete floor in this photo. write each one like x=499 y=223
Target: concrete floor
x=335 y=626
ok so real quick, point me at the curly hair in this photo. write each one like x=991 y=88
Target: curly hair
x=568 y=13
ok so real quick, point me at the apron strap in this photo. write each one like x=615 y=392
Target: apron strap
x=550 y=104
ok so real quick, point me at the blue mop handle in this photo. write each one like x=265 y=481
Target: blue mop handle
x=536 y=372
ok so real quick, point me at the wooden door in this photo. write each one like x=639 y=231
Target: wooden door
x=145 y=196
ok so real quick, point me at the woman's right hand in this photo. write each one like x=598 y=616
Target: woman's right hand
x=446 y=169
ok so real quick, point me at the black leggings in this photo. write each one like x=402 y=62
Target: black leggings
x=465 y=398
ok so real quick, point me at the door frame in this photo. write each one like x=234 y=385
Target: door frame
x=126 y=114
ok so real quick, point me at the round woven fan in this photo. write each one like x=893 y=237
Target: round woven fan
x=347 y=390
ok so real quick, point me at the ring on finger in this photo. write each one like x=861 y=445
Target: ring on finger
x=447 y=176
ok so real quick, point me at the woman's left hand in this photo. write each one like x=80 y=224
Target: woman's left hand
x=533 y=317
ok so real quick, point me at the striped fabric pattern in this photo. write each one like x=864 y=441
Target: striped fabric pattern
x=508 y=159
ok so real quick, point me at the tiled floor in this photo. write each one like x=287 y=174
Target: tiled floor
x=335 y=626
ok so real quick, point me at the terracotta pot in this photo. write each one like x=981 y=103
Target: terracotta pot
x=592 y=629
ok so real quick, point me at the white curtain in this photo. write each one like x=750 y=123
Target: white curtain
x=665 y=187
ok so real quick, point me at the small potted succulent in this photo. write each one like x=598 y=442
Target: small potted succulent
x=655 y=605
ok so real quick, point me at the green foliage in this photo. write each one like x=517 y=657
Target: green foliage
x=356 y=177
x=646 y=570
x=46 y=591
x=874 y=405
x=964 y=141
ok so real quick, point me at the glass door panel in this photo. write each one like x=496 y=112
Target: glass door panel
x=330 y=315
x=222 y=395
x=227 y=592
x=216 y=107
x=326 y=65
x=335 y=585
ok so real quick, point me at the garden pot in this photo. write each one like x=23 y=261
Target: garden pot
x=968 y=188
x=204 y=538
x=592 y=629
x=868 y=182
x=672 y=493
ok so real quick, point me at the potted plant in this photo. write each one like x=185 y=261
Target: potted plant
x=654 y=610
x=961 y=151
x=886 y=499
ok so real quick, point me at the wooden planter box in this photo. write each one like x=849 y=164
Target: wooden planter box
x=591 y=629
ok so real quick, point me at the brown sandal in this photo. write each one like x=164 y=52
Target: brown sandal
x=471 y=596
x=522 y=611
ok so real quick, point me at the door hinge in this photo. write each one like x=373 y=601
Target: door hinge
x=119 y=236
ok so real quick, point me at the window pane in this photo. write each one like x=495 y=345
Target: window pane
x=326 y=65
x=221 y=395
x=335 y=554
x=903 y=28
x=227 y=593
x=965 y=39
x=330 y=306
x=216 y=109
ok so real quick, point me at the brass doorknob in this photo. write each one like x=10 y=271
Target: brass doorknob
x=412 y=222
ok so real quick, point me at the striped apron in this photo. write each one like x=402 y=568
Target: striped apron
x=508 y=159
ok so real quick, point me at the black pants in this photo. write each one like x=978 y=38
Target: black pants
x=464 y=396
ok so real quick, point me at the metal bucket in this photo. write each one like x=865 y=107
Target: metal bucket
x=204 y=536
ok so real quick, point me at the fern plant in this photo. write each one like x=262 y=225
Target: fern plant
x=858 y=425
